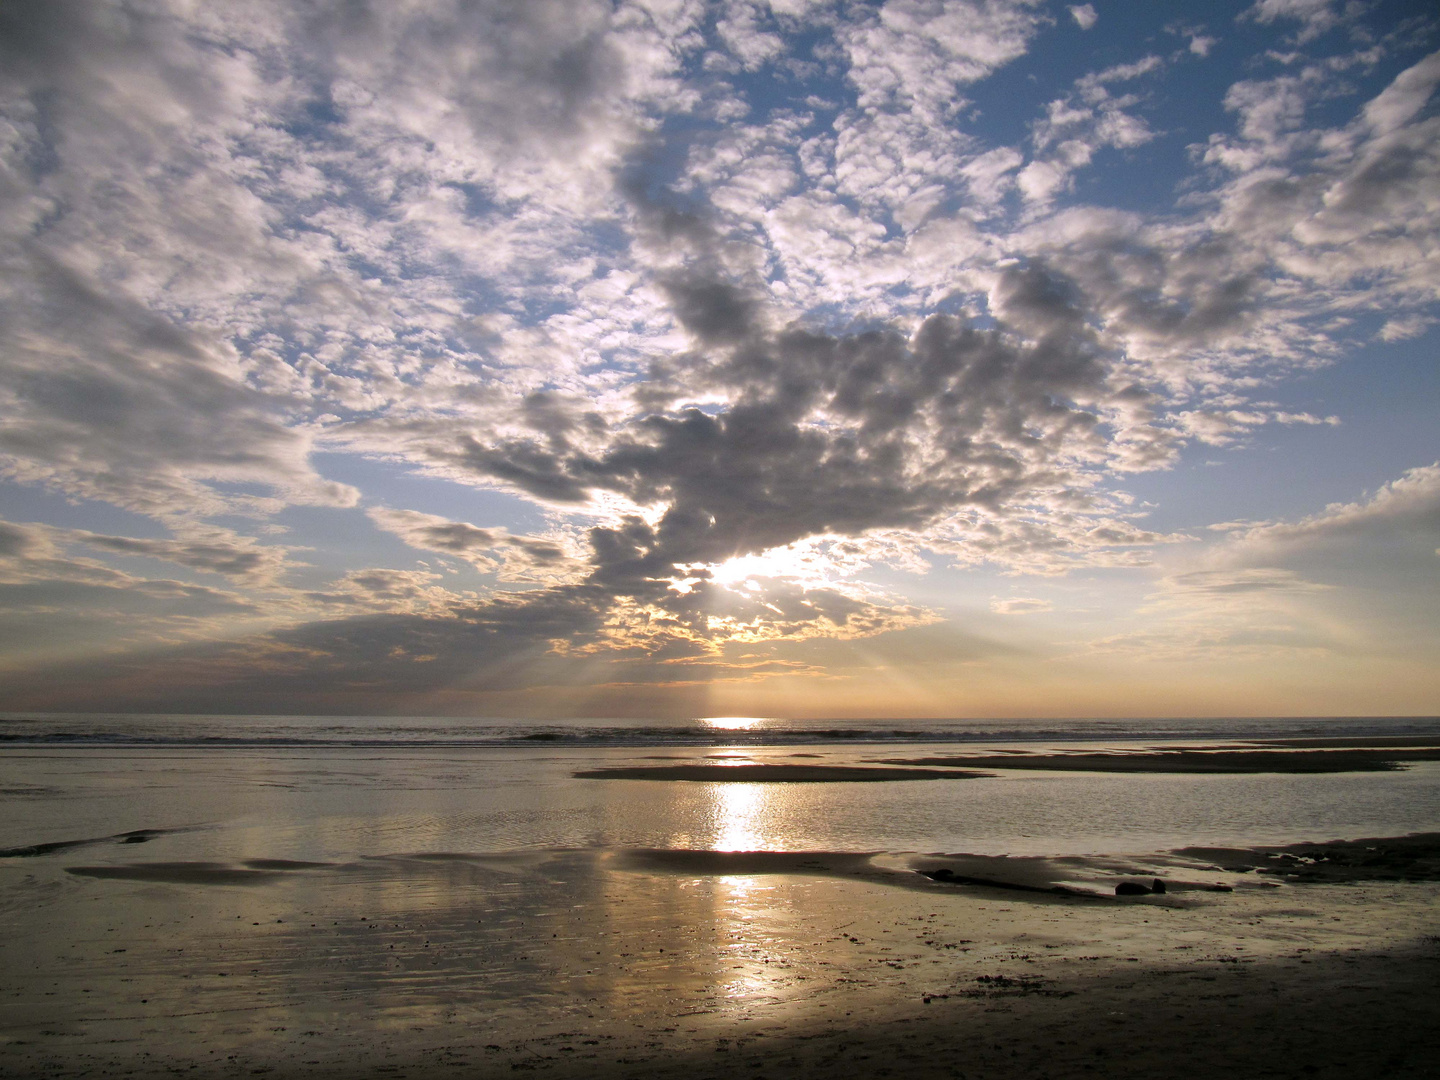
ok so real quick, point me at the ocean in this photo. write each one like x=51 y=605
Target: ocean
x=328 y=788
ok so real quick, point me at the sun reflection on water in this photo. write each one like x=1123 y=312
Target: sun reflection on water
x=738 y=812
x=746 y=817
x=732 y=723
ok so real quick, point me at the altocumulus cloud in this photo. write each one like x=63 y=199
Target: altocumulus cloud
x=750 y=304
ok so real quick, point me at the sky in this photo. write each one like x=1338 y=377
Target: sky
x=671 y=358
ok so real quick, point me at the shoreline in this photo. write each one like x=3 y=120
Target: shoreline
x=1414 y=857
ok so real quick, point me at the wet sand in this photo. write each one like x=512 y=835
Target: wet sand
x=706 y=964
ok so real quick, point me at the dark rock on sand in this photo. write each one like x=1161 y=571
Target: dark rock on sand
x=946 y=876
x=1392 y=858
x=30 y=851
x=1132 y=888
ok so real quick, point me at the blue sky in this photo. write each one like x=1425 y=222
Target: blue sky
x=674 y=357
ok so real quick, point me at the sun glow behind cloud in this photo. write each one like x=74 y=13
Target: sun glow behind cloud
x=743 y=570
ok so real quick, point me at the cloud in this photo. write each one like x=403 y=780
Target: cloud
x=1355 y=580
x=35 y=550
x=54 y=604
x=457 y=651
x=382 y=589
x=1083 y=14
x=516 y=558
x=1079 y=125
x=113 y=399
x=1239 y=583
x=1315 y=16
x=1020 y=605
x=170 y=375
x=1405 y=328
x=740 y=27
x=115 y=403
x=897 y=150
x=213 y=550
x=1408 y=507
x=1308 y=223
x=1225 y=427
x=834 y=434
x=918 y=50
x=1264 y=614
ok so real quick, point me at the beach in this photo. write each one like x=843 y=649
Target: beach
x=634 y=966
x=337 y=912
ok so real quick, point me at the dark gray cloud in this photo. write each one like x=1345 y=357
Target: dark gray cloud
x=71 y=620
x=1226 y=583
x=17 y=541
x=216 y=553
x=830 y=434
x=390 y=660
x=60 y=596
x=516 y=558
x=550 y=640
x=821 y=435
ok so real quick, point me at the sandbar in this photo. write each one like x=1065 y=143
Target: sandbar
x=1212 y=761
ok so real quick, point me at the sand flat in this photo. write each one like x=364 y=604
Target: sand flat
x=670 y=963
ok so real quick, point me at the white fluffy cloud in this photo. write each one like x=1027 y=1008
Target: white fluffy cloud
x=1408 y=507
x=1314 y=16
x=1019 y=605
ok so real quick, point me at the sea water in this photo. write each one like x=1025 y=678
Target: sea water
x=225 y=788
